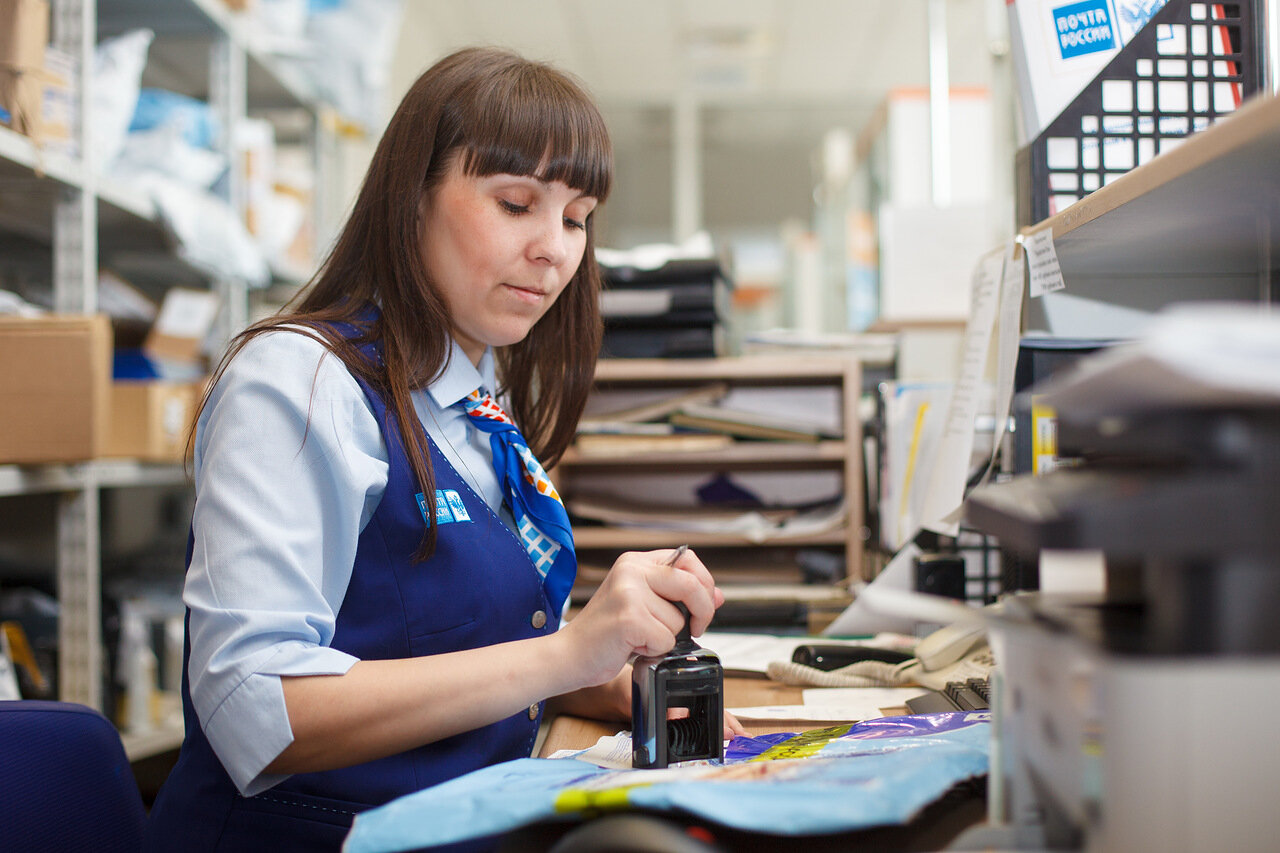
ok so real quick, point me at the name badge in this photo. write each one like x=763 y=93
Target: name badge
x=449 y=506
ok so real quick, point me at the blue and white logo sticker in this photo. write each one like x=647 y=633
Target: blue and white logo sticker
x=449 y=506
x=1084 y=28
x=454 y=500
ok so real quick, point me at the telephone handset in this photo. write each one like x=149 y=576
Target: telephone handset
x=948 y=644
x=952 y=653
x=955 y=652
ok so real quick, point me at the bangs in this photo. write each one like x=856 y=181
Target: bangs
x=537 y=123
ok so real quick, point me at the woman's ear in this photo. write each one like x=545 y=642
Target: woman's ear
x=422 y=208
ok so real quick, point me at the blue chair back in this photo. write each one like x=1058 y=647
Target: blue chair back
x=65 y=781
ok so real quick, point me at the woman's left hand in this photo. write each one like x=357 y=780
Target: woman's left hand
x=612 y=701
x=733 y=728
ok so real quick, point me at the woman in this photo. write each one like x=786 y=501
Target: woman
x=372 y=606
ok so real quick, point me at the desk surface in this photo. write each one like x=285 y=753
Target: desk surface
x=577 y=733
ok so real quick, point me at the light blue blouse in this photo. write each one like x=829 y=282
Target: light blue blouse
x=289 y=467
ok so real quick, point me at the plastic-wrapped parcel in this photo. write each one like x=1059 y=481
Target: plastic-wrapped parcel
x=854 y=776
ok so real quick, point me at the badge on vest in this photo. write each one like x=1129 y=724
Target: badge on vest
x=449 y=506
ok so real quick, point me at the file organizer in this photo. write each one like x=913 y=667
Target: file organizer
x=1193 y=63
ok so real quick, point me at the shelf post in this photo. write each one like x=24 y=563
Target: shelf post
x=75 y=227
x=854 y=477
x=227 y=81
x=79 y=595
x=75 y=291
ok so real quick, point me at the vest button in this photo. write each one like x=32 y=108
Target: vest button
x=539 y=619
x=533 y=711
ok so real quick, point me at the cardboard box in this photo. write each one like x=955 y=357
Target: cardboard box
x=1059 y=46
x=151 y=420
x=24 y=33
x=179 y=332
x=55 y=386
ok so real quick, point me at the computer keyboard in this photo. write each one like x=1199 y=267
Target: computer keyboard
x=973 y=694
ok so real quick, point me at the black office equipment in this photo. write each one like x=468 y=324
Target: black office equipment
x=688 y=677
x=832 y=656
x=972 y=694
x=1175 y=483
x=676 y=310
x=941 y=574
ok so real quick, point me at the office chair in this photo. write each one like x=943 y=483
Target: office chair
x=66 y=781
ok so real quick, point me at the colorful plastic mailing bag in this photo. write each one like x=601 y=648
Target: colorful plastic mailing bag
x=854 y=776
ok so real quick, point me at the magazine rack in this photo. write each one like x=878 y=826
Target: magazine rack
x=1191 y=64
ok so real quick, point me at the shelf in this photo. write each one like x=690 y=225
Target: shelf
x=102 y=473
x=130 y=232
x=1208 y=208
x=740 y=454
x=147 y=744
x=624 y=489
x=623 y=538
x=191 y=23
x=764 y=368
x=21 y=160
x=60 y=223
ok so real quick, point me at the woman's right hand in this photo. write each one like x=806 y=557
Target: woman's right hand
x=632 y=613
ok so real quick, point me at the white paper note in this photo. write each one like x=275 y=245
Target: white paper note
x=860 y=698
x=951 y=465
x=1008 y=336
x=609 y=751
x=1042 y=260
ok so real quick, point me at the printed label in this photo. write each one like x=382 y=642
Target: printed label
x=1042 y=262
x=449 y=506
x=1084 y=28
x=454 y=501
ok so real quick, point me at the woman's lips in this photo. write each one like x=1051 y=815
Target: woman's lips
x=528 y=294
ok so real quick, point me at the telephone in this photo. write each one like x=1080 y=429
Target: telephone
x=953 y=653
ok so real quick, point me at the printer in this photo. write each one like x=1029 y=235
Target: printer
x=1140 y=718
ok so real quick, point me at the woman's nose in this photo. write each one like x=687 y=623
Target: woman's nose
x=548 y=244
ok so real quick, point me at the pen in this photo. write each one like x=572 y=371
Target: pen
x=677 y=555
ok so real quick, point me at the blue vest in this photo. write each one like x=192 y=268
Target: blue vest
x=477 y=589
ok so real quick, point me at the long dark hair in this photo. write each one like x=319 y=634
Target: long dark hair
x=495 y=113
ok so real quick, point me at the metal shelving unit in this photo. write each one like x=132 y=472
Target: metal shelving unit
x=84 y=218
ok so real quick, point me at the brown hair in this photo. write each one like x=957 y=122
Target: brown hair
x=496 y=113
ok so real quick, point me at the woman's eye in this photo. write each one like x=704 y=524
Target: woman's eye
x=574 y=223
x=513 y=208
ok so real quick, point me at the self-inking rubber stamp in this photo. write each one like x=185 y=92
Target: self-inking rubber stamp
x=688 y=677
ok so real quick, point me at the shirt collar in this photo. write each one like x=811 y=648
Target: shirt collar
x=461 y=377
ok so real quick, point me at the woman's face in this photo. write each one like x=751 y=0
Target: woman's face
x=500 y=249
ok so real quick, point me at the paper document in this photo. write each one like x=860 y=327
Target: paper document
x=1008 y=334
x=834 y=705
x=952 y=463
x=914 y=418
x=808 y=713
x=859 y=618
x=861 y=699
x=609 y=751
